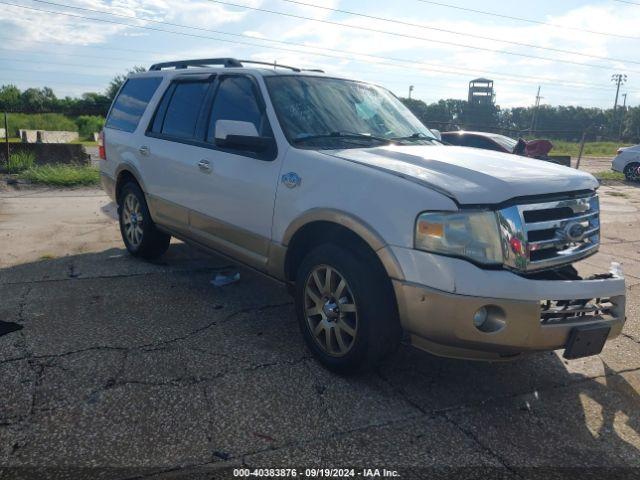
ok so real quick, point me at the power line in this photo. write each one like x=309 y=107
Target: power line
x=20 y=60
x=529 y=20
x=36 y=52
x=100 y=47
x=481 y=37
x=413 y=63
x=403 y=35
x=32 y=80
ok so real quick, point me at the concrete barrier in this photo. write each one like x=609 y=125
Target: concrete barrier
x=47 y=136
x=50 y=153
x=28 y=136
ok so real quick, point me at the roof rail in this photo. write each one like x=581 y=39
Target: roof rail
x=226 y=62
x=271 y=64
x=204 y=62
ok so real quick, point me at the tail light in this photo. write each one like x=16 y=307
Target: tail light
x=101 y=150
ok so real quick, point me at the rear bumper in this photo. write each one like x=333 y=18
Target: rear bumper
x=442 y=322
x=108 y=185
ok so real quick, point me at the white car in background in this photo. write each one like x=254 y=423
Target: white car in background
x=628 y=162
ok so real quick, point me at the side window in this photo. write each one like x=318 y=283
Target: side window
x=480 y=142
x=236 y=100
x=131 y=103
x=455 y=139
x=183 y=109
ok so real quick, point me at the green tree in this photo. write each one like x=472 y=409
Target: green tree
x=38 y=100
x=9 y=98
x=631 y=125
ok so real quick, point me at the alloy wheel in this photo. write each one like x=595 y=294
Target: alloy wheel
x=632 y=172
x=330 y=310
x=132 y=219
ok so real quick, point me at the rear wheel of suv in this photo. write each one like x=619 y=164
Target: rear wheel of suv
x=139 y=233
x=346 y=309
x=632 y=172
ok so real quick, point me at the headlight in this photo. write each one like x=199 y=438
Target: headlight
x=473 y=235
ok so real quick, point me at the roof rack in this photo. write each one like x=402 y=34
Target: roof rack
x=204 y=62
x=226 y=62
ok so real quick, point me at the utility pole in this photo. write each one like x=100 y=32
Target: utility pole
x=6 y=137
x=410 y=90
x=624 y=111
x=618 y=79
x=535 y=112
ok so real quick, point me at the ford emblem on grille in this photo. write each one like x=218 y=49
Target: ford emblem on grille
x=573 y=232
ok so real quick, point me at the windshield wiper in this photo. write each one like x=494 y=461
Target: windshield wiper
x=346 y=135
x=414 y=136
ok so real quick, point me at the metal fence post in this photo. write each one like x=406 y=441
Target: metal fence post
x=6 y=138
x=584 y=137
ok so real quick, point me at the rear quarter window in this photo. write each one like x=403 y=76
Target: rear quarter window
x=131 y=102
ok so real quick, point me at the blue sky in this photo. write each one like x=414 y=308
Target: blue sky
x=73 y=55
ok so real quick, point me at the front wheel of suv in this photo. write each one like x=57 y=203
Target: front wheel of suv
x=139 y=233
x=632 y=172
x=346 y=309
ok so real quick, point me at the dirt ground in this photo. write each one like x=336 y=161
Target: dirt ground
x=127 y=368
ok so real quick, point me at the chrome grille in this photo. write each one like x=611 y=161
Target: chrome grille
x=550 y=234
x=558 y=312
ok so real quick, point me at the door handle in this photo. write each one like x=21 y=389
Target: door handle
x=204 y=166
x=144 y=150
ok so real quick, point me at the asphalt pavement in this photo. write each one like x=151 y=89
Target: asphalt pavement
x=129 y=368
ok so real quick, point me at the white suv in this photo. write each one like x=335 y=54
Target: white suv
x=382 y=232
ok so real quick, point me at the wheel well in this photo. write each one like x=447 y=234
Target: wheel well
x=316 y=233
x=124 y=177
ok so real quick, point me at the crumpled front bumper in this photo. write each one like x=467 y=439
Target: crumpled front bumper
x=441 y=320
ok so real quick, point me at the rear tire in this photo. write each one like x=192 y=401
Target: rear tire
x=139 y=234
x=349 y=320
x=632 y=172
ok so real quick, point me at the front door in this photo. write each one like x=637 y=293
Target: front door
x=234 y=208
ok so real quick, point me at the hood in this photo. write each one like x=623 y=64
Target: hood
x=471 y=175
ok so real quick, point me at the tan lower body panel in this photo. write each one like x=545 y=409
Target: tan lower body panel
x=442 y=323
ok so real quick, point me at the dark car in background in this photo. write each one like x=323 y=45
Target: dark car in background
x=484 y=140
x=498 y=143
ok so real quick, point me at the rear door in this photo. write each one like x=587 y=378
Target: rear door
x=173 y=148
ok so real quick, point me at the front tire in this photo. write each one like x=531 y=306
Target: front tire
x=346 y=309
x=139 y=233
x=632 y=172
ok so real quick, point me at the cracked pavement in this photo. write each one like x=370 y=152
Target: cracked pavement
x=148 y=370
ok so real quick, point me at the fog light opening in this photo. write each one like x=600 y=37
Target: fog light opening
x=489 y=319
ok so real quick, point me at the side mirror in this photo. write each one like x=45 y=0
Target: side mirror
x=436 y=133
x=240 y=135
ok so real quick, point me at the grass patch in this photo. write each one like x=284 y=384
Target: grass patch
x=609 y=175
x=591 y=149
x=62 y=175
x=20 y=161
